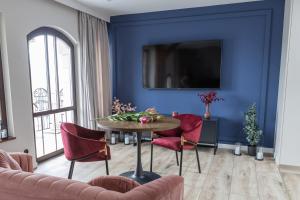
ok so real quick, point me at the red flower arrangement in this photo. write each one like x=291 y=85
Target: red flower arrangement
x=208 y=98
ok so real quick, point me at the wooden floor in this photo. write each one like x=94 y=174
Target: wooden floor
x=224 y=176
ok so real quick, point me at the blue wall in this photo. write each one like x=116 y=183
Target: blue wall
x=251 y=34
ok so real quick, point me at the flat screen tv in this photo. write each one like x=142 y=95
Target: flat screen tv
x=182 y=65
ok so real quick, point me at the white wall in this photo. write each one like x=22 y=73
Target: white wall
x=99 y=13
x=18 y=18
x=288 y=117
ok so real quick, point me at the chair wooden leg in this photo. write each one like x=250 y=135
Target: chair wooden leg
x=106 y=165
x=180 y=166
x=177 y=158
x=151 y=157
x=71 y=169
x=198 y=161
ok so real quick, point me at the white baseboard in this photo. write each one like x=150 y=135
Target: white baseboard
x=232 y=146
x=289 y=169
x=243 y=147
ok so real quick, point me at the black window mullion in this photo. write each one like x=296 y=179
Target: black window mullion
x=43 y=139
x=49 y=112
x=55 y=131
x=56 y=70
x=47 y=71
x=74 y=103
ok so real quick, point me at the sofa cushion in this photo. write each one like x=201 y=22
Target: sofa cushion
x=6 y=161
x=114 y=183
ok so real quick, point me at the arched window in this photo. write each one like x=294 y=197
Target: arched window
x=51 y=59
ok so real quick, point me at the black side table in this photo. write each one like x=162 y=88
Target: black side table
x=210 y=133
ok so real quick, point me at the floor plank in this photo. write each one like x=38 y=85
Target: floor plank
x=223 y=176
x=244 y=177
x=216 y=188
x=292 y=183
x=271 y=186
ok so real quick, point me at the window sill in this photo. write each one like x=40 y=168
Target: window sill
x=8 y=139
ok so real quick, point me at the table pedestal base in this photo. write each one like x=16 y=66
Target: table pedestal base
x=145 y=178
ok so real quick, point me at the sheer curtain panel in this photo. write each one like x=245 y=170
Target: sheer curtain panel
x=94 y=70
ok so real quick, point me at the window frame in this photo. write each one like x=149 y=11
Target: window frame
x=45 y=31
x=51 y=31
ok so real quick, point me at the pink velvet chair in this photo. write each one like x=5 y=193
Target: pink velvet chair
x=185 y=137
x=84 y=145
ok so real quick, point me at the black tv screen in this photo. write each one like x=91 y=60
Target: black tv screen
x=182 y=65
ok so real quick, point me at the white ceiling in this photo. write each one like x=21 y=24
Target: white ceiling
x=121 y=7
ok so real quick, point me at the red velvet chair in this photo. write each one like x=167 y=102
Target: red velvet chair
x=84 y=145
x=185 y=137
x=167 y=133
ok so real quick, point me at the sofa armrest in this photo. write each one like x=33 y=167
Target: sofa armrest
x=24 y=160
x=167 y=188
x=114 y=183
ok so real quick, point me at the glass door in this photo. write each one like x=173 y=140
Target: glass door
x=51 y=57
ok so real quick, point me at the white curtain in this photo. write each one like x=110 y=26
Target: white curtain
x=94 y=71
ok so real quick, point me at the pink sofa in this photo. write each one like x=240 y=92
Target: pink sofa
x=17 y=182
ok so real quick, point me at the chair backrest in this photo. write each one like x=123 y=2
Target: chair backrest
x=70 y=137
x=191 y=126
x=70 y=128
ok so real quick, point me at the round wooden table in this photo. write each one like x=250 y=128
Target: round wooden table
x=166 y=123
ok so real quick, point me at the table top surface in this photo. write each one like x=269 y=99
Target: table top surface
x=166 y=123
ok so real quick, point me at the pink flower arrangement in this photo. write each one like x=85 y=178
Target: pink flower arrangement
x=118 y=107
x=144 y=120
x=208 y=98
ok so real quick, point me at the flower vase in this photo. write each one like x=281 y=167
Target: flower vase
x=207 y=113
